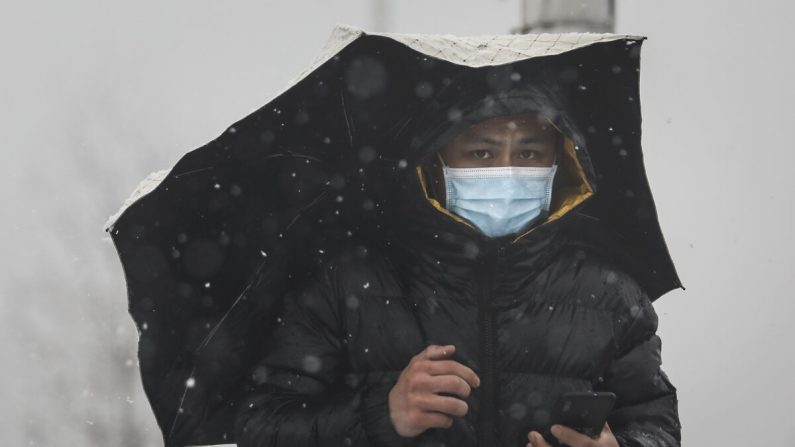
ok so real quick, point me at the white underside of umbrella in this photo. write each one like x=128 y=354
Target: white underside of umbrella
x=144 y=187
x=472 y=51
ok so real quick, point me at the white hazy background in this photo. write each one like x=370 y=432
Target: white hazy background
x=94 y=95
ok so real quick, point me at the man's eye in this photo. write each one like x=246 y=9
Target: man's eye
x=528 y=155
x=481 y=154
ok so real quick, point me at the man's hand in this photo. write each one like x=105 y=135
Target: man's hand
x=573 y=438
x=415 y=406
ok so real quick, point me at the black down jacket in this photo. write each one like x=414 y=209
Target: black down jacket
x=534 y=315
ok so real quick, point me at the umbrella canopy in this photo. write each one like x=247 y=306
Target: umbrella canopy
x=209 y=246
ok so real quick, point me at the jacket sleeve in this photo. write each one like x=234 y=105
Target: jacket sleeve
x=299 y=392
x=646 y=409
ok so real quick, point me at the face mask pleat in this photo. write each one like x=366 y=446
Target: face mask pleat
x=500 y=200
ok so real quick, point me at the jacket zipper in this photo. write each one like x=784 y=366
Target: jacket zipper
x=488 y=413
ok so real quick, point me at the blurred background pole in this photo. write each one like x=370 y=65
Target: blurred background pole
x=560 y=16
x=380 y=16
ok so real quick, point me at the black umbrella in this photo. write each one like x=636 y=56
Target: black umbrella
x=209 y=247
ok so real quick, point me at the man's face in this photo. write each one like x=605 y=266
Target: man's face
x=517 y=140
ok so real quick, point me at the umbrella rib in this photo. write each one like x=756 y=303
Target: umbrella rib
x=297 y=155
x=192 y=171
x=207 y=340
x=221 y=321
x=347 y=122
x=302 y=209
x=405 y=122
x=248 y=286
x=181 y=401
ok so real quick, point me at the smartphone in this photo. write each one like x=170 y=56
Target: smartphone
x=584 y=411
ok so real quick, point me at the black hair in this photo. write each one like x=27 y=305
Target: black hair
x=473 y=97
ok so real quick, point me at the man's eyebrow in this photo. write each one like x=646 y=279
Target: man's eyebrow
x=482 y=139
x=531 y=139
x=489 y=140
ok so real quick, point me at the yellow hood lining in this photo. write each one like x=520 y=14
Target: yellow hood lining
x=435 y=203
x=570 y=188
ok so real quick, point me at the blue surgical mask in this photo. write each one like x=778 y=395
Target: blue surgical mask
x=501 y=200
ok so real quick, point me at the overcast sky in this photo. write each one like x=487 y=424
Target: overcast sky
x=94 y=95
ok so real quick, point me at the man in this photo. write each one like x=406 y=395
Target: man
x=480 y=316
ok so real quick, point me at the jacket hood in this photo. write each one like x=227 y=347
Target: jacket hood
x=466 y=103
x=432 y=237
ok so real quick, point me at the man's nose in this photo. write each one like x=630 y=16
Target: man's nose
x=504 y=158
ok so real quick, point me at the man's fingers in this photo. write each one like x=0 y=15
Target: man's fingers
x=421 y=382
x=449 y=384
x=436 y=352
x=566 y=435
x=536 y=440
x=443 y=404
x=570 y=436
x=446 y=367
x=433 y=354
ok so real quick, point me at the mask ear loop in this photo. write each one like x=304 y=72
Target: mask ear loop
x=544 y=214
x=558 y=147
x=444 y=180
